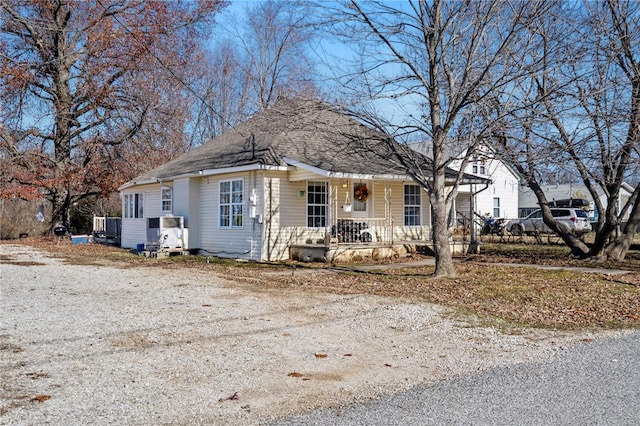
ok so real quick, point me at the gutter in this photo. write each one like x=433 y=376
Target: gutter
x=343 y=175
x=202 y=173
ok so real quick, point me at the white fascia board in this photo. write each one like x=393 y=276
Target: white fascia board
x=136 y=183
x=341 y=175
x=205 y=173
x=248 y=167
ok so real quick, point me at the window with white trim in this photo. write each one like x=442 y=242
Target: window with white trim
x=166 y=195
x=231 y=203
x=479 y=166
x=133 y=206
x=411 y=205
x=496 y=207
x=316 y=204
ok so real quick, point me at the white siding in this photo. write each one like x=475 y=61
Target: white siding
x=241 y=243
x=134 y=231
x=285 y=216
x=186 y=203
x=504 y=185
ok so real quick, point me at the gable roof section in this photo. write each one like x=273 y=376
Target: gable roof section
x=301 y=133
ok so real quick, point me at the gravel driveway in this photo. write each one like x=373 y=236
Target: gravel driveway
x=95 y=344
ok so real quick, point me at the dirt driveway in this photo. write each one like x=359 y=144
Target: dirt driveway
x=88 y=344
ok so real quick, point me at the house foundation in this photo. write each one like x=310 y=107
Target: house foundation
x=345 y=253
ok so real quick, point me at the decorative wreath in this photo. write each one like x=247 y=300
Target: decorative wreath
x=361 y=193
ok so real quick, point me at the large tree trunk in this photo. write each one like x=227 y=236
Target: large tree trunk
x=440 y=230
x=617 y=250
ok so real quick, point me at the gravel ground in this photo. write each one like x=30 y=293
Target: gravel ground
x=91 y=344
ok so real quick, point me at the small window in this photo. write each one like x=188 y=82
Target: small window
x=316 y=204
x=412 y=205
x=479 y=166
x=166 y=196
x=133 y=206
x=231 y=203
x=496 y=207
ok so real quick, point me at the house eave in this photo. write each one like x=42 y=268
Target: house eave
x=204 y=173
x=343 y=175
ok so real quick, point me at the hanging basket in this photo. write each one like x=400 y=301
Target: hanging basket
x=361 y=192
x=347 y=203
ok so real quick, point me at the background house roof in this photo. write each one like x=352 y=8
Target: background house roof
x=305 y=131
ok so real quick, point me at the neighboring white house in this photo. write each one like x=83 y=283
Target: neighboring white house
x=297 y=174
x=499 y=198
x=496 y=198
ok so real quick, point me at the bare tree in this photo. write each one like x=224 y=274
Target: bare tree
x=257 y=59
x=440 y=64
x=224 y=89
x=275 y=59
x=584 y=113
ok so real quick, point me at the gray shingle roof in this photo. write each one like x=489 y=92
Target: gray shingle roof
x=306 y=131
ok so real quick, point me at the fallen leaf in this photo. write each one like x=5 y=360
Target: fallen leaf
x=233 y=397
x=321 y=355
x=40 y=398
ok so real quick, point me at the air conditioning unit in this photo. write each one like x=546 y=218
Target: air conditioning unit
x=165 y=232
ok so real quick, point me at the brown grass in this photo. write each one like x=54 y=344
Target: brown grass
x=486 y=285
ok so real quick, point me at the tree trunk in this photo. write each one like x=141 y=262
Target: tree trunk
x=617 y=250
x=440 y=236
x=61 y=205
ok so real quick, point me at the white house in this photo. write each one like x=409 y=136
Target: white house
x=297 y=176
x=498 y=198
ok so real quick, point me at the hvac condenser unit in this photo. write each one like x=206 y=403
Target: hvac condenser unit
x=166 y=232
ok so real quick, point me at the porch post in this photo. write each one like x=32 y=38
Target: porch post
x=472 y=208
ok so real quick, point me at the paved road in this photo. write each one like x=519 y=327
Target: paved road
x=591 y=384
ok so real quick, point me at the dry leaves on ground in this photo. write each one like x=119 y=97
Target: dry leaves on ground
x=520 y=296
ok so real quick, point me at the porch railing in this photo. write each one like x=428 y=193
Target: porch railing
x=362 y=231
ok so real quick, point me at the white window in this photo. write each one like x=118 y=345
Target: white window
x=166 y=196
x=411 y=205
x=133 y=206
x=479 y=166
x=231 y=203
x=316 y=204
x=496 y=207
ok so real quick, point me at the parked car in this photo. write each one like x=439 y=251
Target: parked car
x=574 y=219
